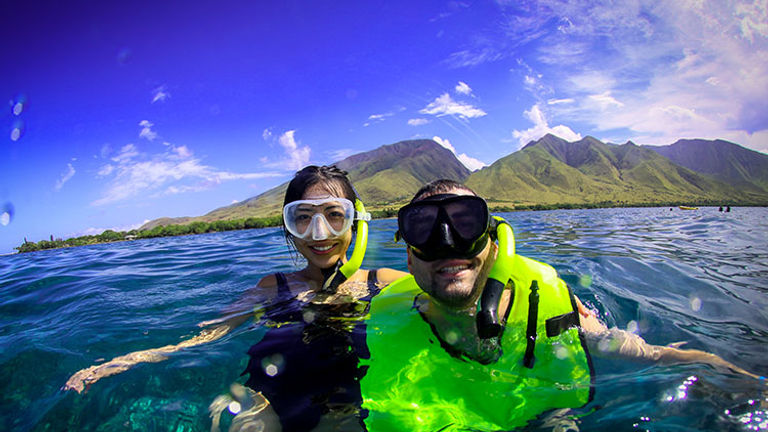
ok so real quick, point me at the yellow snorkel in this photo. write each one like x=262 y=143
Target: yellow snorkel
x=341 y=272
x=488 y=324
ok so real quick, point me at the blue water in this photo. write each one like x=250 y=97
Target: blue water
x=696 y=276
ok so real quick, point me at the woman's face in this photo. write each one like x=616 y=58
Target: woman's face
x=323 y=253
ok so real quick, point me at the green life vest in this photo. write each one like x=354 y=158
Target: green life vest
x=412 y=383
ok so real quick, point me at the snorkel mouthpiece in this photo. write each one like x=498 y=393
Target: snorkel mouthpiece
x=488 y=323
x=342 y=272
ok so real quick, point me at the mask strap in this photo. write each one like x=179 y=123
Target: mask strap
x=343 y=272
x=488 y=323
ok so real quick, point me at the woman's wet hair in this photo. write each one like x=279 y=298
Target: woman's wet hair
x=330 y=177
x=334 y=180
x=440 y=186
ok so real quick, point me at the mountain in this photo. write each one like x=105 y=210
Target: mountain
x=554 y=171
x=391 y=173
x=723 y=160
x=395 y=172
x=548 y=171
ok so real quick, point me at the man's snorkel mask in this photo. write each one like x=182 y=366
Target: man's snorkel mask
x=458 y=226
x=327 y=218
x=444 y=226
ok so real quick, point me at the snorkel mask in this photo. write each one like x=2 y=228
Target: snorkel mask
x=458 y=226
x=320 y=219
x=444 y=226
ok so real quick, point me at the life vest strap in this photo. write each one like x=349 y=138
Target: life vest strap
x=530 y=333
x=559 y=324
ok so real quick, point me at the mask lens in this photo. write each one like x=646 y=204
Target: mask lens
x=468 y=216
x=416 y=222
x=336 y=216
x=300 y=217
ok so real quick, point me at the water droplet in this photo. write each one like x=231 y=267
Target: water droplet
x=632 y=326
x=451 y=337
x=17 y=130
x=234 y=407
x=272 y=364
x=308 y=316
x=560 y=352
x=695 y=304
x=7 y=214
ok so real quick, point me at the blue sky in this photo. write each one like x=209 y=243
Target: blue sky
x=121 y=113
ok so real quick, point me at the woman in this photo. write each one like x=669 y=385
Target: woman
x=320 y=209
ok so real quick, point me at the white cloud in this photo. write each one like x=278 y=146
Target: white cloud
x=418 y=121
x=445 y=105
x=133 y=174
x=471 y=163
x=560 y=101
x=376 y=118
x=105 y=170
x=473 y=57
x=146 y=130
x=463 y=88
x=97 y=231
x=541 y=128
x=160 y=94
x=298 y=156
x=648 y=70
x=65 y=177
x=340 y=154
x=267 y=134
x=605 y=99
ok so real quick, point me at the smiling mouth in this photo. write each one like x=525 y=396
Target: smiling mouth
x=453 y=269
x=322 y=248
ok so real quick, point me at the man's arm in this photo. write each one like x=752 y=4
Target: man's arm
x=617 y=343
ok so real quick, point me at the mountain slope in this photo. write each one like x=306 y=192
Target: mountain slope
x=552 y=170
x=548 y=171
x=390 y=173
x=721 y=159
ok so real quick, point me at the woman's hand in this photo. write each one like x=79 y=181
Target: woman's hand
x=84 y=378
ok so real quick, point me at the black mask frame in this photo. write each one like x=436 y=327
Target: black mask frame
x=445 y=226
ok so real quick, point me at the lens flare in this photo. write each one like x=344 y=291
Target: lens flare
x=6 y=216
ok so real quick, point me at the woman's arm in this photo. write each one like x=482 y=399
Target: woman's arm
x=387 y=275
x=85 y=377
x=236 y=314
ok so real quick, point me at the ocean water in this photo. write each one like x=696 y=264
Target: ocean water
x=668 y=275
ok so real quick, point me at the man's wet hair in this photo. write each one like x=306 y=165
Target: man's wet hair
x=439 y=187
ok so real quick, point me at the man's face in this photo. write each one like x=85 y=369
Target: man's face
x=454 y=282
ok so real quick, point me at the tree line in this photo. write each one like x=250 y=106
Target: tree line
x=200 y=227
x=197 y=227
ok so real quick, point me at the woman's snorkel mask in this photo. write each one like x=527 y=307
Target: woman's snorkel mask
x=320 y=219
x=458 y=226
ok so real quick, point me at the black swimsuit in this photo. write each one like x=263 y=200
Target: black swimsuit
x=311 y=360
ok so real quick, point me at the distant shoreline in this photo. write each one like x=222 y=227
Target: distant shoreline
x=386 y=212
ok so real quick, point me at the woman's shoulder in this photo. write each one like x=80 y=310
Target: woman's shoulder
x=386 y=275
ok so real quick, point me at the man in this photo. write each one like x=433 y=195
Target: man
x=438 y=363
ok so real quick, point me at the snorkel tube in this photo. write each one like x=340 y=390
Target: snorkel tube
x=341 y=272
x=488 y=324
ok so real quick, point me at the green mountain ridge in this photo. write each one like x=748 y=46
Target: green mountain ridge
x=549 y=171
x=723 y=160
x=555 y=171
x=387 y=174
